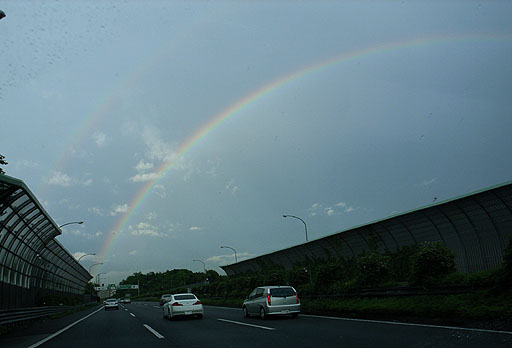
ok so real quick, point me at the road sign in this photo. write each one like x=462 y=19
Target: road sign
x=127 y=287
x=100 y=288
x=123 y=287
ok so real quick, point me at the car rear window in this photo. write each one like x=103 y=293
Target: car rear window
x=282 y=292
x=184 y=297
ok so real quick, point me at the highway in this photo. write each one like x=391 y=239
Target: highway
x=141 y=324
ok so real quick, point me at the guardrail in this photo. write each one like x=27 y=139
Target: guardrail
x=397 y=291
x=11 y=316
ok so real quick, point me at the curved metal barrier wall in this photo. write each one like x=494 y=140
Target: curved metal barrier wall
x=476 y=227
x=32 y=262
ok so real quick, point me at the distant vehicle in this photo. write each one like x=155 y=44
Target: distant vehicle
x=126 y=300
x=183 y=305
x=272 y=300
x=111 y=303
x=164 y=299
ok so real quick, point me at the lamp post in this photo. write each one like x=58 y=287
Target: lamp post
x=225 y=246
x=90 y=268
x=84 y=256
x=304 y=222
x=73 y=222
x=99 y=263
x=204 y=266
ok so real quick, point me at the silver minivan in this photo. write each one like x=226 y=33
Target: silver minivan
x=272 y=300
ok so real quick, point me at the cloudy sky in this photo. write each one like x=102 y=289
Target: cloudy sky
x=174 y=127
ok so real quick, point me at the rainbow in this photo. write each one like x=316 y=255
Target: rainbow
x=242 y=104
x=100 y=111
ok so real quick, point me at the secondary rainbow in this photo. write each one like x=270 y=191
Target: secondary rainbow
x=246 y=101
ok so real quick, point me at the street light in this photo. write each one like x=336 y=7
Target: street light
x=204 y=266
x=304 y=222
x=73 y=222
x=225 y=246
x=99 y=263
x=84 y=256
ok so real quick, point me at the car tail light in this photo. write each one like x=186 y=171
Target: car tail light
x=197 y=302
x=297 y=295
x=175 y=304
x=268 y=299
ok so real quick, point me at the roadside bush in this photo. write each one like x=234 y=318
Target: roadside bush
x=484 y=279
x=326 y=275
x=432 y=262
x=507 y=265
x=504 y=275
x=373 y=269
x=298 y=276
x=400 y=262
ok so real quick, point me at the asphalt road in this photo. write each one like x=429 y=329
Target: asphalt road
x=141 y=324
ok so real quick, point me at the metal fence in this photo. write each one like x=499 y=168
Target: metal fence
x=13 y=316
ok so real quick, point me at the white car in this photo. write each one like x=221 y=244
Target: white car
x=183 y=305
x=164 y=299
x=111 y=303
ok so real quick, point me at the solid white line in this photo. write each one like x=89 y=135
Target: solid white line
x=239 y=323
x=133 y=315
x=409 y=324
x=62 y=330
x=153 y=331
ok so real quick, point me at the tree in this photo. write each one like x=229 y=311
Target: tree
x=432 y=262
x=2 y=162
x=373 y=269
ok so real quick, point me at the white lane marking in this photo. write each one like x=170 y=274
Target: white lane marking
x=409 y=324
x=236 y=309
x=153 y=331
x=133 y=315
x=156 y=307
x=240 y=323
x=126 y=310
x=62 y=330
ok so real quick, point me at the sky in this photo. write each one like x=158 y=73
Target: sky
x=172 y=128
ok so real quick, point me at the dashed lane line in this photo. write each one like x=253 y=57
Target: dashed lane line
x=153 y=331
x=133 y=315
x=245 y=324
